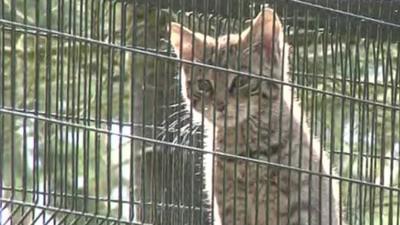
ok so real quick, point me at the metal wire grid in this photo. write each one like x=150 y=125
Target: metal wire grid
x=93 y=129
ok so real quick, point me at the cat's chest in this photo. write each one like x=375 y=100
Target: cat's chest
x=236 y=141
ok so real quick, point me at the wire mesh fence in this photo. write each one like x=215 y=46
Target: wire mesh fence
x=94 y=128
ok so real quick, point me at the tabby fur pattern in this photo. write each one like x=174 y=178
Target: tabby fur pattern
x=257 y=119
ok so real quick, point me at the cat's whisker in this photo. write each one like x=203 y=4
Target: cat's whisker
x=248 y=114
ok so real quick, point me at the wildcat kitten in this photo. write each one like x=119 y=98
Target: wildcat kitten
x=257 y=119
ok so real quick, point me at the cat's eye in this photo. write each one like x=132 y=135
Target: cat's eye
x=204 y=85
x=240 y=82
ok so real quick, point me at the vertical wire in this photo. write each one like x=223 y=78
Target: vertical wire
x=183 y=153
x=164 y=168
x=190 y=218
x=2 y=47
x=219 y=56
x=367 y=138
x=133 y=159
x=237 y=125
x=360 y=116
x=349 y=71
x=323 y=121
x=363 y=209
x=70 y=134
x=361 y=121
x=143 y=152
x=281 y=100
x=35 y=169
x=216 y=59
x=297 y=67
x=80 y=111
x=393 y=91
x=173 y=168
x=369 y=162
x=109 y=98
x=372 y=158
x=313 y=112
x=68 y=153
x=352 y=106
x=74 y=107
x=13 y=75
x=226 y=76
x=375 y=116
x=367 y=107
x=342 y=102
x=87 y=85
x=47 y=129
x=256 y=216
x=93 y=76
x=178 y=156
x=60 y=103
x=303 y=96
x=389 y=72
x=121 y=92
x=290 y=71
x=24 y=99
x=57 y=101
x=155 y=154
x=99 y=93
x=202 y=137
x=214 y=130
x=267 y=212
x=248 y=106
x=208 y=23
x=393 y=131
x=121 y=110
x=189 y=199
x=263 y=53
x=382 y=163
x=292 y=97
x=93 y=81
x=334 y=50
x=397 y=82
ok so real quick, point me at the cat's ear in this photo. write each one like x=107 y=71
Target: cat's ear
x=186 y=44
x=266 y=29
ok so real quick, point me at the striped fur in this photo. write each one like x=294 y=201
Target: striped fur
x=257 y=119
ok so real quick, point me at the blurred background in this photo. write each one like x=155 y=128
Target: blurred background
x=93 y=128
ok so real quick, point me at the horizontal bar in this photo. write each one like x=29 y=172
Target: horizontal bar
x=157 y=55
x=101 y=199
x=70 y=212
x=190 y=148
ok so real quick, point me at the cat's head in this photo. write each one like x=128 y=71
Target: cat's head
x=257 y=50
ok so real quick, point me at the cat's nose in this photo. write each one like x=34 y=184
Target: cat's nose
x=220 y=106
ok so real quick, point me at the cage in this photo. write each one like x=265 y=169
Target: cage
x=94 y=129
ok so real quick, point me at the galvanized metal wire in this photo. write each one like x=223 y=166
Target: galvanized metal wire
x=93 y=129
